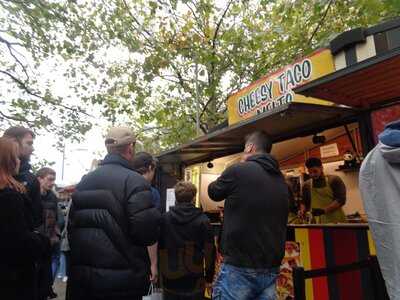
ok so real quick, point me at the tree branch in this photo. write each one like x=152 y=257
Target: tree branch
x=212 y=64
x=196 y=19
x=174 y=76
x=165 y=77
x=173 y=12
x=202 y=127
x=16 y=2
x=219 y=24
x=14 y=118
x=222 y=102
x=211 y=99
x=141 y=27
x=10 y=50
x=8 y=43
x=181 y=80
x=320 y=22
x=37 y=95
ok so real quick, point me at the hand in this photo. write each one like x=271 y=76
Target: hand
x=154 y=274
x=301 y=213
x=318 y=212
x=209 y=288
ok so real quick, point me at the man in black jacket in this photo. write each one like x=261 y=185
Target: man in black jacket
x=111 y=221
x=187 y=248
x=25 y=137
x=254 y=228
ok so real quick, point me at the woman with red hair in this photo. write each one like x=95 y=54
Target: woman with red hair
x=20 y=246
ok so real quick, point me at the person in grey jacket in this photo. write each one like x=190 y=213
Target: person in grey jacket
x=380 y=191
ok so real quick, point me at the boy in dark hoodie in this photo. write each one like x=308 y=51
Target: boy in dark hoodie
x=186 y=247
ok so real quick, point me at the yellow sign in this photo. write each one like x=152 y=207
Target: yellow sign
x=274 y=90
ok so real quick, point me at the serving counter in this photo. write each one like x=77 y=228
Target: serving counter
x=315 y=246
x=329 y=245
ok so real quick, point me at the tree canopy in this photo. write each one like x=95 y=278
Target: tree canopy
x=152 y=63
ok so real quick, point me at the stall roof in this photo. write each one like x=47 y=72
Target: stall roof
x=368 y=84
x=288 y=121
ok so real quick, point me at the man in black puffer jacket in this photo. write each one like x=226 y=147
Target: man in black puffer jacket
x=111 y=221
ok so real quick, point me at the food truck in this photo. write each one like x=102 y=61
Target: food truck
x=331 y=104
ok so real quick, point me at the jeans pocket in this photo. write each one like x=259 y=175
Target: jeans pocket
x=216 y=294
x=276 y=271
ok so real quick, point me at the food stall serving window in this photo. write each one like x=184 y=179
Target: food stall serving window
x=326 y=105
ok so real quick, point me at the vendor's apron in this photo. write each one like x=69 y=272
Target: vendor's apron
x=323 y=197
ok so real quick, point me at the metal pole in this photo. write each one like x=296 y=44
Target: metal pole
x=63 y=162
x=299 y=283
x=366 y=132
x=353 y=145
x=197 y=100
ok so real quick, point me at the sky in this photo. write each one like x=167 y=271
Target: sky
x=78 y=156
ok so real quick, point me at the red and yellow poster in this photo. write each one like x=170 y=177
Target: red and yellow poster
x=274 y=90
x=284 y=283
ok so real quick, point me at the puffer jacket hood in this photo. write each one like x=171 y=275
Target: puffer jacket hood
x=184 y=213
x=390 y=154
x=391 y=135
x=389 y=144
x=268 y=163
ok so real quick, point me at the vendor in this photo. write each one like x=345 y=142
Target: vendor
x=323 y=194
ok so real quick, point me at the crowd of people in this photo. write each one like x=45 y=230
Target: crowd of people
x=113 y=235
x=32 y=221
x=112 y=240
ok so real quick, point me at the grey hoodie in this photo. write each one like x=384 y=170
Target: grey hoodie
x=380 y=190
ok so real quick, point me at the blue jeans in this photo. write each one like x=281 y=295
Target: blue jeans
x=235 y=283
x=63 y=266
x=55 y=263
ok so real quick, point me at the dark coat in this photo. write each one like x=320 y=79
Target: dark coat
x=32 y=186
x=186 y=240
x=51 y=215
x=111 y=221
x=20 y=247
x=255 y=213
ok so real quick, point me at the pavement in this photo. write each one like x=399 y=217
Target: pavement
x=59 y=288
